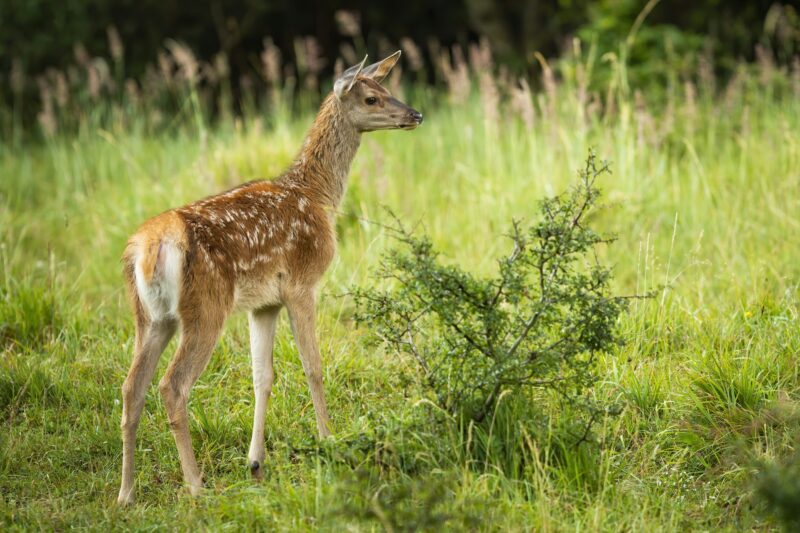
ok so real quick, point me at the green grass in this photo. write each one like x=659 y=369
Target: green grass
x=703 y=198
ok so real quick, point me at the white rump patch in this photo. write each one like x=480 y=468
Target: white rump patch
x=160 y=296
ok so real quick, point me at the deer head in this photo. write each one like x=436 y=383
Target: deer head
x=367 y=104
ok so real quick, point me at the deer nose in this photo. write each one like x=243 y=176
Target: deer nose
x=417 y=116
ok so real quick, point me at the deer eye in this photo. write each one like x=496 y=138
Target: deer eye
x=371 y=100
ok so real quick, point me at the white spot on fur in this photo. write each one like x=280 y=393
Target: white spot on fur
x=293 y=230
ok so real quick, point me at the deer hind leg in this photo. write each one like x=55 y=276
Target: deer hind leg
x=151 y=339
x=301 y=315
x=263 y=323
x=197 y=342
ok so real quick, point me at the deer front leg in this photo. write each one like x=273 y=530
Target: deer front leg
x=301 y=315
x=197 y=343
x=263 y=323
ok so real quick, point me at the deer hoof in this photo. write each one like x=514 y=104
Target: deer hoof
x=256 y=471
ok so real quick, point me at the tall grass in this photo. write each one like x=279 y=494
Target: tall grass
x=703 y=200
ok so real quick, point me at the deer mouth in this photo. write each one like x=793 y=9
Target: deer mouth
x=415 y=120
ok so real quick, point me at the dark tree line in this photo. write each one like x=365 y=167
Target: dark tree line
x=41 y=33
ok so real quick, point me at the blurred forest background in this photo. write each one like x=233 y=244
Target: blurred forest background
x=246 y=42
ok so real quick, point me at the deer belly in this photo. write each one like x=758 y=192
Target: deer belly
x=256 y=293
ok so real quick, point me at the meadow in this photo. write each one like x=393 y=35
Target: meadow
x=703 y=200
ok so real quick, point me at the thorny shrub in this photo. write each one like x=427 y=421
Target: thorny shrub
x=538 y=325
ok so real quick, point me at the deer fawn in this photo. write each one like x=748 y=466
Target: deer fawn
x=257 y=247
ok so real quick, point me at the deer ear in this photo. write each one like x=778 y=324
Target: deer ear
x=378 y=71
x=345 y=82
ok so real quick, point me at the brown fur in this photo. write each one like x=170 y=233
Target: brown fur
x=148 y=239
x=257 y=247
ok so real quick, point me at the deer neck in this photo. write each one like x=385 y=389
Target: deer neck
x=324 y=161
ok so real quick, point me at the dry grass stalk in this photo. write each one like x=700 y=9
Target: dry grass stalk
x=115 y=45
x=480 y=59
x=412 y=54
x=104 y=74
x=221 y=66
x=766 y=65
x=550 y=87
x=316 y=61
x=61 y=87
x=46 y=116
x=166 y=67
x=313 y=60
x=349 y=22
x=733 y=91
x=456 y=75
x=271 y=62
x=490 y=98
x=93 y=81
x=480 y=56
x=522 y=103
x=184 y=58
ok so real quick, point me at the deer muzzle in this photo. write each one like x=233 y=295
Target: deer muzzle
x=412 y=119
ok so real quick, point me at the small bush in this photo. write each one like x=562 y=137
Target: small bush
x=779 y=487
x=539 y=323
